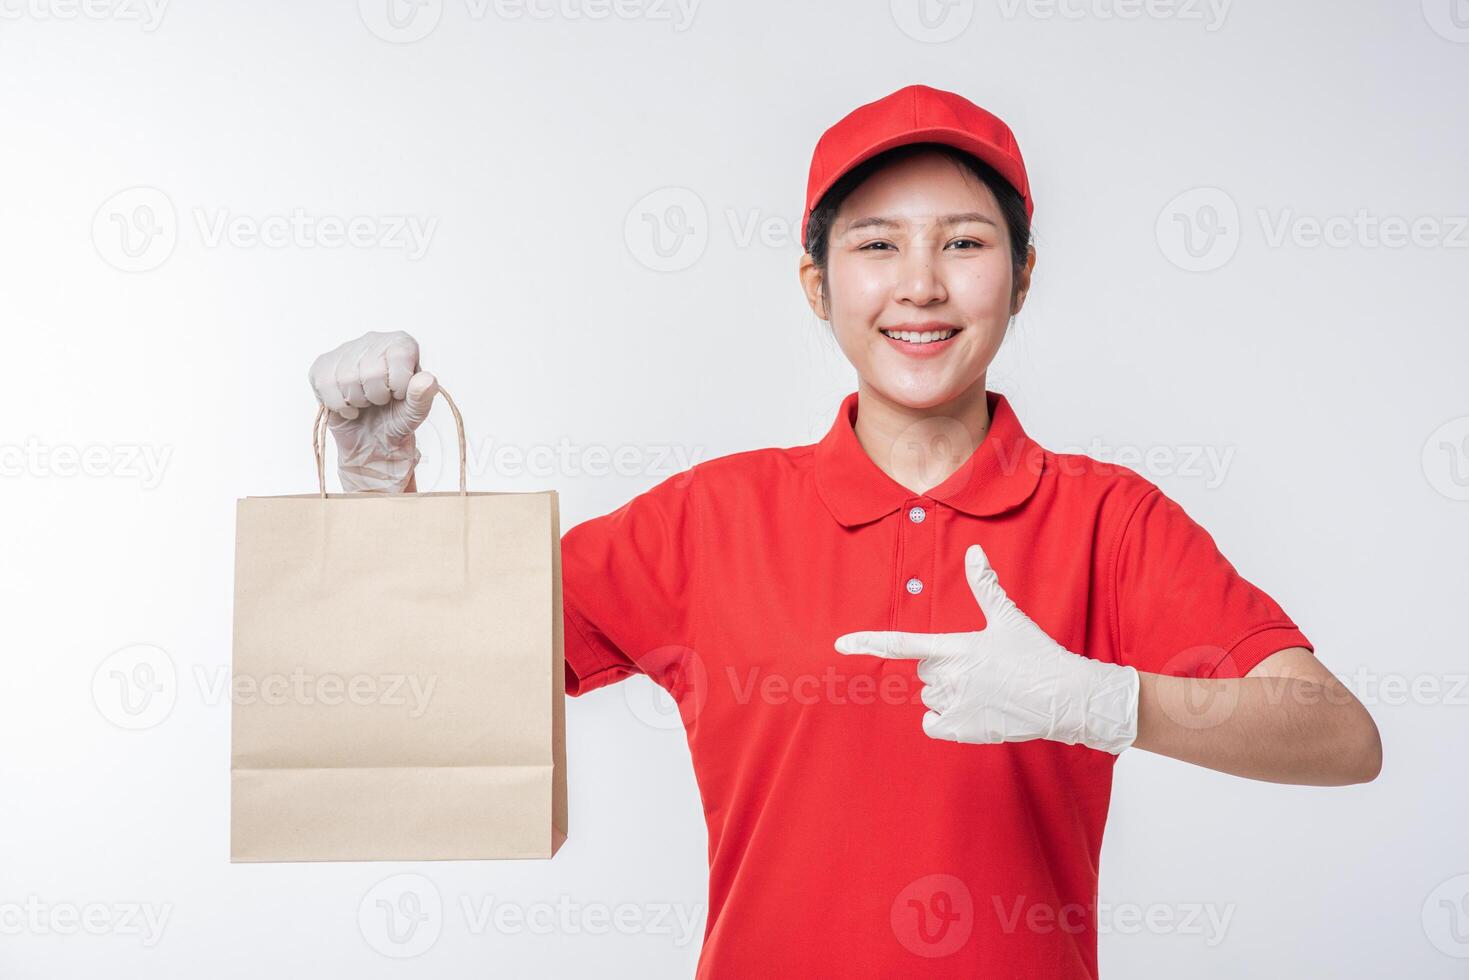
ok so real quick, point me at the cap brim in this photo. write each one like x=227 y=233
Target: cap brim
x=1003 y=162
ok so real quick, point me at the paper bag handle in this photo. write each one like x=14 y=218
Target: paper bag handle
x=318 y=444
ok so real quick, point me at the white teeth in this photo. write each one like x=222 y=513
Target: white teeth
x=914 y=337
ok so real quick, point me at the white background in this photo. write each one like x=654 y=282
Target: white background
x=1327 y=378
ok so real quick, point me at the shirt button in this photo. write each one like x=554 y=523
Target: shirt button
x=916 y=515
x=915 y=585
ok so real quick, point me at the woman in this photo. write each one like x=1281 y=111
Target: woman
x=907 y=656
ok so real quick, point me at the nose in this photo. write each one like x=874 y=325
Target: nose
x=919 y=281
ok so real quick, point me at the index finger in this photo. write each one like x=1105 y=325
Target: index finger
x=889 y=643
x=402 y=358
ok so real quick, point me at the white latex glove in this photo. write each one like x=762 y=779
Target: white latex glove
x=1010 y=682
x=377 y=397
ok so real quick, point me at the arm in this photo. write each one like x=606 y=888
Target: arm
x=1288 y=721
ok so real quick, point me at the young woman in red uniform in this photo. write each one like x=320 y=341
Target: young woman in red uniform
x=907 y=656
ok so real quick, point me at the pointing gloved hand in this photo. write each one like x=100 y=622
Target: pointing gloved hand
x=1010 y=682
x=377 y=396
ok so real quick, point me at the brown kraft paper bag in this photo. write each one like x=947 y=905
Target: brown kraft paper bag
x=398 y=688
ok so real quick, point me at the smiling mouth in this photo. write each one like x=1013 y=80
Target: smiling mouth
x=918 y=336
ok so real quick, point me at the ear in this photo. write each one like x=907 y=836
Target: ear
x=811 y=280
x=1022 y=284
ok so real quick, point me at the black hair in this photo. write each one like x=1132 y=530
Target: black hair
x=1012 y=205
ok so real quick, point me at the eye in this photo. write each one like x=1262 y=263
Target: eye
x=967 y=243
x=874 y=246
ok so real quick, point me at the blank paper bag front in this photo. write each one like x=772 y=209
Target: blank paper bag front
x=398 y=686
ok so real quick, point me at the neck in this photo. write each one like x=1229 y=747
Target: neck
x=920 y=447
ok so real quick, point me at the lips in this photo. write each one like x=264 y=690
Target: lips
x=921 y=339
x=919 y=336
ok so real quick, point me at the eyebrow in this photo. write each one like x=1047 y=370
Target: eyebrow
x=878 y=221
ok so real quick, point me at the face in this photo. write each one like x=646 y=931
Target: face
x=919 y=279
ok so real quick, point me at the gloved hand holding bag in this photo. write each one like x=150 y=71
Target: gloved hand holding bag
x=376 y=397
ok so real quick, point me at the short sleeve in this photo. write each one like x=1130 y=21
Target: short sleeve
x=627 y=587
x=1181 y=608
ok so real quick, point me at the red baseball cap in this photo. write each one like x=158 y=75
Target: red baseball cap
x=914 y=114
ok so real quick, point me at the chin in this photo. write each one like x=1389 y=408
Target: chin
x=920 y=393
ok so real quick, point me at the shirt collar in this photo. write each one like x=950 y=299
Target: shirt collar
x=1001 y=473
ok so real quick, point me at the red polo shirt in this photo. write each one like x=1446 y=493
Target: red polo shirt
x=843 y=841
